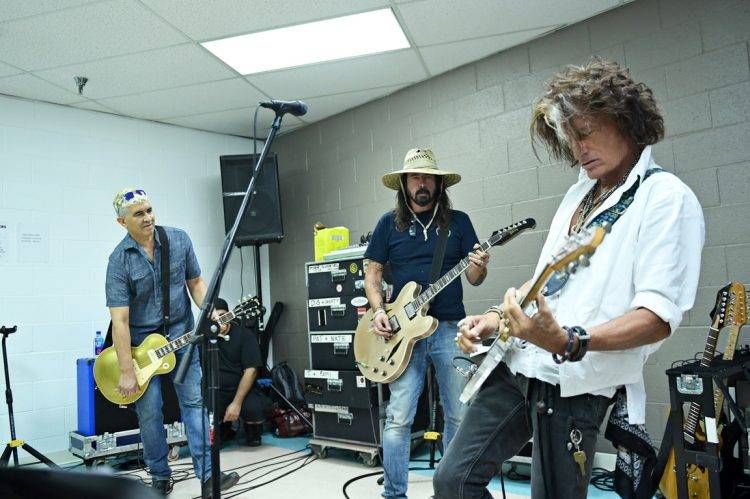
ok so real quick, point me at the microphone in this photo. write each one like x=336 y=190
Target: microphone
x=293 y=107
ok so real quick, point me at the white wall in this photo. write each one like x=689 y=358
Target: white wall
x=59 y=170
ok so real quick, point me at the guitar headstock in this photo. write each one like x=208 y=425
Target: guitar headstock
x=249 y=307
x=577 y=249
x=737 y=309
x=505 y=234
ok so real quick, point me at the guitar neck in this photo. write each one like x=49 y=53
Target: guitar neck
x=186 y=338
x=436 y=287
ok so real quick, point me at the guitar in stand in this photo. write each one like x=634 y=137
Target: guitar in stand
x=383 y=360
x=576 y=250
x=155 y=355
x=730 y=311
x=15 y=443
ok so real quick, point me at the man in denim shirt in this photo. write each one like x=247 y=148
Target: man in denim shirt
x=134 y=298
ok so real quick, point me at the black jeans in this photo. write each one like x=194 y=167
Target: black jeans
x=506 y=412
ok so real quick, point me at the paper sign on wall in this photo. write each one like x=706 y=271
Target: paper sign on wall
x=33 y=243
x=4 y=244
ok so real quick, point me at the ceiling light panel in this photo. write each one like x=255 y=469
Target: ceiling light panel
x=339 y=38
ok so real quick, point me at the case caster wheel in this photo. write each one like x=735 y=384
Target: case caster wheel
x=174 y=453
x=368 y=459
x=320 y=451
x=89 y=463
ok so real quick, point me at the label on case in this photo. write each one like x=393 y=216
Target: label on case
x=318 y=374
x=324 y=302
x=316 y=269
x=331 y=338
x=335 y=409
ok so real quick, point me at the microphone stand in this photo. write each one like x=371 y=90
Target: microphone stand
x=208 y=335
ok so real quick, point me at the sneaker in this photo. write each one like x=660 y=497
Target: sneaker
x=163 y=487
x=227 y=480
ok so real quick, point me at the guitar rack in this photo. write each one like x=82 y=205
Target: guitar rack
x=695 y=383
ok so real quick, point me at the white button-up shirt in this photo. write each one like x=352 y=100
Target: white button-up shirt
x=650 y=259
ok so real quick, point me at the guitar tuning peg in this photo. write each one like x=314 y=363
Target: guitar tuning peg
x=607 y=227
x=572 y=267
x=583 y=260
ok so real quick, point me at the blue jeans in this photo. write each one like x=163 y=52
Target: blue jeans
x=439 y=348
x=193 y=415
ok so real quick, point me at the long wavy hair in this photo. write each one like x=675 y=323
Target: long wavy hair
x=599 y=88
x=403 y=215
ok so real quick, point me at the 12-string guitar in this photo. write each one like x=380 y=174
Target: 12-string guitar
x=383 y=360
x=155 y=355
x=576 y=250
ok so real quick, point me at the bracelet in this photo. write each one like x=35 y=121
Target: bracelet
x=379 y=310
x=496 y=310
x=583 y=342
x=559 y=359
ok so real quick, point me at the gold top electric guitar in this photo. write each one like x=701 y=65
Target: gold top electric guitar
x=155 y=355
x=384 y=360
x=576 y=250
x=730 y=310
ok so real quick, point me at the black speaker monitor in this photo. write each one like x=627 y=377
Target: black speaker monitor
x=261 y=222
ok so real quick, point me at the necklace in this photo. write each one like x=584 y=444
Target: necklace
x=591 y=201
x=424 y=227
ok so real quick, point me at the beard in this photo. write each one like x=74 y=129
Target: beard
x=422 y=197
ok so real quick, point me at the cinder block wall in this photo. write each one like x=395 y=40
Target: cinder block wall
x=694 y=56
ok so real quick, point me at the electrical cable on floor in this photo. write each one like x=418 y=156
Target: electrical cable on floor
x=603 y=479
x=307 y=460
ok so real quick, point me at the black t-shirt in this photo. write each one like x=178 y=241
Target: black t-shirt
x=238 y=353
x=410 y=257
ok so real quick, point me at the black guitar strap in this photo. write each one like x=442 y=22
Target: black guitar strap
x=164 y=241
x=164 y=261
x=437 y=260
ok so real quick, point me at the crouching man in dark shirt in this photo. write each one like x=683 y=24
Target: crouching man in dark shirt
x=239 y=360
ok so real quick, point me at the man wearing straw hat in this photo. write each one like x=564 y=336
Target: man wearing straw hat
x=407 y=238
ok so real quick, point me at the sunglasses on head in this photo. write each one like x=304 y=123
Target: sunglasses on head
x=131 y=194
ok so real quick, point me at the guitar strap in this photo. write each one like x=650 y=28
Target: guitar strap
x=164 y=262
x=437 y=259
x=164 y=241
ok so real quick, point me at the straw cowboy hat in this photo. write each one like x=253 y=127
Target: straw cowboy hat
x=420 y=161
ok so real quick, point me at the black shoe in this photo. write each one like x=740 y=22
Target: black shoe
x=227 y=480
x=163 y=487
x=253 y=432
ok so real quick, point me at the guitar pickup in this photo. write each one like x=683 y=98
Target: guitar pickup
x=393 y=322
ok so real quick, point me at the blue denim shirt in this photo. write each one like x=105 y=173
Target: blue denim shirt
x=134 y=281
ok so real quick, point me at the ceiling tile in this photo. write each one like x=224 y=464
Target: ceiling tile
x=182 y=101
x=148 y=71
x=337 y=77
x=323 y=107
x=8 y=70
x=84 y=33
x=30 y=87
x=428 y=23
x=446 y=56
x=234 y=122
x=15 y=9
x=202 y=20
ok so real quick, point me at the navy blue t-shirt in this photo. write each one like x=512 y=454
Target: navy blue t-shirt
x=410 y=257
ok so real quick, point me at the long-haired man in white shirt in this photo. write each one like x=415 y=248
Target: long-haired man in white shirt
x=602 y=325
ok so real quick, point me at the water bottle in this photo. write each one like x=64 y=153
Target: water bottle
x=98 y=343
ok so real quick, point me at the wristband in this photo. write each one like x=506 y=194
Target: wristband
x=583 y=342
x=559 y=359
x=496 y=310
x=379 y=310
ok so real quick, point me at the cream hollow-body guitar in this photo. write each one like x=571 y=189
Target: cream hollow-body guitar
x=155 y=355
x=383 y=360
x=730 y=311
x=576 y=251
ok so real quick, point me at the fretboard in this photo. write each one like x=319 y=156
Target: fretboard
x=436 y=287
x=183 y=340
x=708 y=354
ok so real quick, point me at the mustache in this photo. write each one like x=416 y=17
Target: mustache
x=422 y=190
